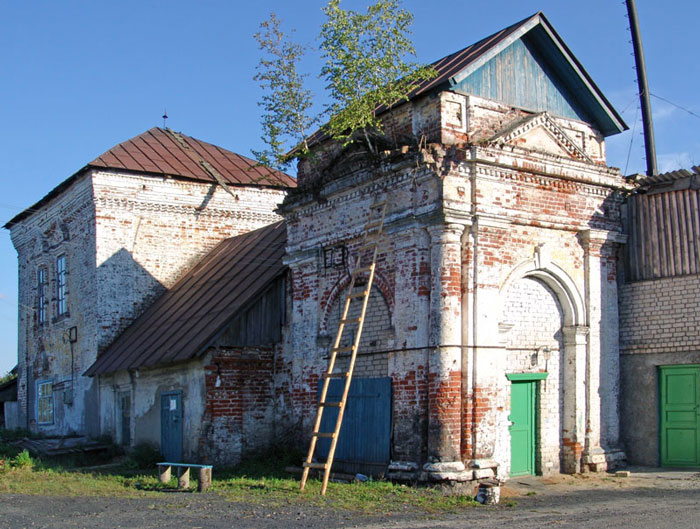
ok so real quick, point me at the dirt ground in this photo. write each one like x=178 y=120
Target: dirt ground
x=648 y=498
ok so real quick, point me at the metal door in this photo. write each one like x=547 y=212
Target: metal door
x=365 y=435
x=124 y=410
x=171 y=426
x=522 y=429
x=680 y=425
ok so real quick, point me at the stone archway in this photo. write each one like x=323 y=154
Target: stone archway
x=545 y=317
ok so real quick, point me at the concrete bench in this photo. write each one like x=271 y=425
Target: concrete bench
x=183 y=474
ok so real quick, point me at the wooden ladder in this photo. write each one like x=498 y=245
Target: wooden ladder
x=370 y=241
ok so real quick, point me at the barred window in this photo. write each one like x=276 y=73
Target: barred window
x=42 y=285
x=61 y=304
x=44 y=402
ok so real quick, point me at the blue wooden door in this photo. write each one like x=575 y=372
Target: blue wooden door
x=171 y=426
x=365 y=435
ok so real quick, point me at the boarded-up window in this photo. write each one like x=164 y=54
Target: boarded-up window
x=61 y=291
x=44 y=402
x=41 y=287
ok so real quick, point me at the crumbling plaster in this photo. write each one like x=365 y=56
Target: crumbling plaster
x=470 y=211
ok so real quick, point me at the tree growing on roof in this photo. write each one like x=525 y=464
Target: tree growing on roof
x=286 y=103
x=367 y=68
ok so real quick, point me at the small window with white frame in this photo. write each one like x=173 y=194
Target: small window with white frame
x=44 y=402
x=42 y=288
x=61 y=286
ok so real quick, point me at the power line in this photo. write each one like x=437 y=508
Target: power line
x=675 y=105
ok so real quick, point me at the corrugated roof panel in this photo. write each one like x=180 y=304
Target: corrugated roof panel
x=184 y=320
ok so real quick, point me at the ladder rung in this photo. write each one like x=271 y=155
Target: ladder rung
x=342 y=374
x=315 y=465
x=331 y=404
x=378 y=205
x=347 y=349
x=351 y=320
x=329 y=435
x=362 y=270
x=360 y=294
x=373 y=224
x=365 y=247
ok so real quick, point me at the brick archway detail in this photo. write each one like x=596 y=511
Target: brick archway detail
x=379 y=283
x=558 y=280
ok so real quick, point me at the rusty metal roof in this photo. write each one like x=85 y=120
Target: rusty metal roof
x=163 y=152
x=170 y=153
x=182 y=322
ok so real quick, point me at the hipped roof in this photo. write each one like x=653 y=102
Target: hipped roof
x=187 y=318
x=163 y=152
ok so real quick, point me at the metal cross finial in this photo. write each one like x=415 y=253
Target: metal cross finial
x=165 y=116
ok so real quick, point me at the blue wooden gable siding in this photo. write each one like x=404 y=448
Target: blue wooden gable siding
x=519 y=76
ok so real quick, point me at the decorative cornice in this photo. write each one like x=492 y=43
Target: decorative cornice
x=525 y=176
x=128 y=204
x=544 y=120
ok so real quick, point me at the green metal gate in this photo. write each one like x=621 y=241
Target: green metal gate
x=679 y=426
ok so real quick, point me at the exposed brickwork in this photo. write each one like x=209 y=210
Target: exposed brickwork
x=410 y=414
x=534 y=330
x=496 y=195
x=656 y=315
x=239 y=415
x=659 y=320
x=126 y=238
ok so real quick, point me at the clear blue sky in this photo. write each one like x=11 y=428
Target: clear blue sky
x=80 y=77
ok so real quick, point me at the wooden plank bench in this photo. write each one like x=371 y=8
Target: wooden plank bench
x=183 y=474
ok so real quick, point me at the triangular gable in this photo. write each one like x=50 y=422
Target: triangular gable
x=558 y=71
x=527 y=65
x=541 y=133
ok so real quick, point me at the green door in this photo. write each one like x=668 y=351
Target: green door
x=522 y=429
x=680 y=424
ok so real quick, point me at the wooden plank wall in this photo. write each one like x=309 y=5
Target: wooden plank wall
x=261 y=323
x=663 y=235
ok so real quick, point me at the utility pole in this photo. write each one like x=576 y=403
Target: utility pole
x=649 y=143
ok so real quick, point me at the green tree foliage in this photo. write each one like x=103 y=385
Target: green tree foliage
x=367 y=69
x=10 y=375
x=286 y=103
x=366 y=65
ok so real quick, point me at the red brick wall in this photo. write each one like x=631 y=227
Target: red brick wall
x=238 y=417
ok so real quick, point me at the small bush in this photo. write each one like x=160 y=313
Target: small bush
x=23 y=460
x=8 y=451
x=145 y=455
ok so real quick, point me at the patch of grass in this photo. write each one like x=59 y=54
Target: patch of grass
x=260 y=481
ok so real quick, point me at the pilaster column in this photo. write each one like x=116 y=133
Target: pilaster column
x=445 y=353
x=303 y=324
x=574 y=419
x=602 y=362
x=408 y=369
